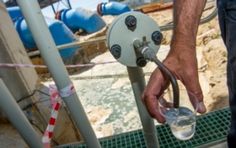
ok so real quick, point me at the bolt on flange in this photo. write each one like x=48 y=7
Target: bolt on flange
x=157 y=37
x=131 y=22
x=116 y=51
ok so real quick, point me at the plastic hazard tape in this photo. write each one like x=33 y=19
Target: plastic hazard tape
x=67 y=91
x=56 y=104
x=13 y=65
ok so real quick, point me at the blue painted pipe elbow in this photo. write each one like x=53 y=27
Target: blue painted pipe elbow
x=25 y=34
x=112 y=8
x=60 y=33
x=80 y=18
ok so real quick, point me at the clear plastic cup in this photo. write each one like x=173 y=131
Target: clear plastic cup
x=182 y=120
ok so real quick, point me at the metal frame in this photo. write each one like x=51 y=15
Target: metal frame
x=53 y=8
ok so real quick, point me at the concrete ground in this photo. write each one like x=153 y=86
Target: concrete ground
x=10 y=138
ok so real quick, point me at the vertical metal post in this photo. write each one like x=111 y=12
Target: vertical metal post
x=17 y=117
x=68 y=2
x=51 y=56
x=137 y=80
x=52 y=6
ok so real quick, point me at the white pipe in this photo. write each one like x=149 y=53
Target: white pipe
x=138 y=84
x=17 y=118
x=51 y=56
x=73 y=45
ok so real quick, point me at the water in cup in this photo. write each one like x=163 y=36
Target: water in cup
x=182 y=122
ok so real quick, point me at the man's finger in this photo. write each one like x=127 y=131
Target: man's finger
x=155 y=88
x=197 y=103
x=195 y=92
x=165 y=103
x=152 y=106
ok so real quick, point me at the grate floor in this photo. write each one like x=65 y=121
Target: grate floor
x=210 y=127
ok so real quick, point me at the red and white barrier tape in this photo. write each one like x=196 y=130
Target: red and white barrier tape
x=12 y=65
x=56 y=103
x=67 y=91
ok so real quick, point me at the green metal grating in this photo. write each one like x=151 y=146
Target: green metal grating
x=210 y=127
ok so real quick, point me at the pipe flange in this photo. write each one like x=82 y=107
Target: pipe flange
x=99 y=9
x=122 y=36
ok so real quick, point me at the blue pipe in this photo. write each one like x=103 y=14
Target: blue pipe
x=25 y=34
x=112 y=8
x=14 y=13
x=80 y=18
x=60 y=33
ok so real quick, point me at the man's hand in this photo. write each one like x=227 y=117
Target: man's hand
x=181 y=59
x=185 y=70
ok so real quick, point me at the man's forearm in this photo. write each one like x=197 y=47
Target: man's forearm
x=187 y=14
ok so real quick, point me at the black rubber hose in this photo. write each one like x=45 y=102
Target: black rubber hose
x=173 y=81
